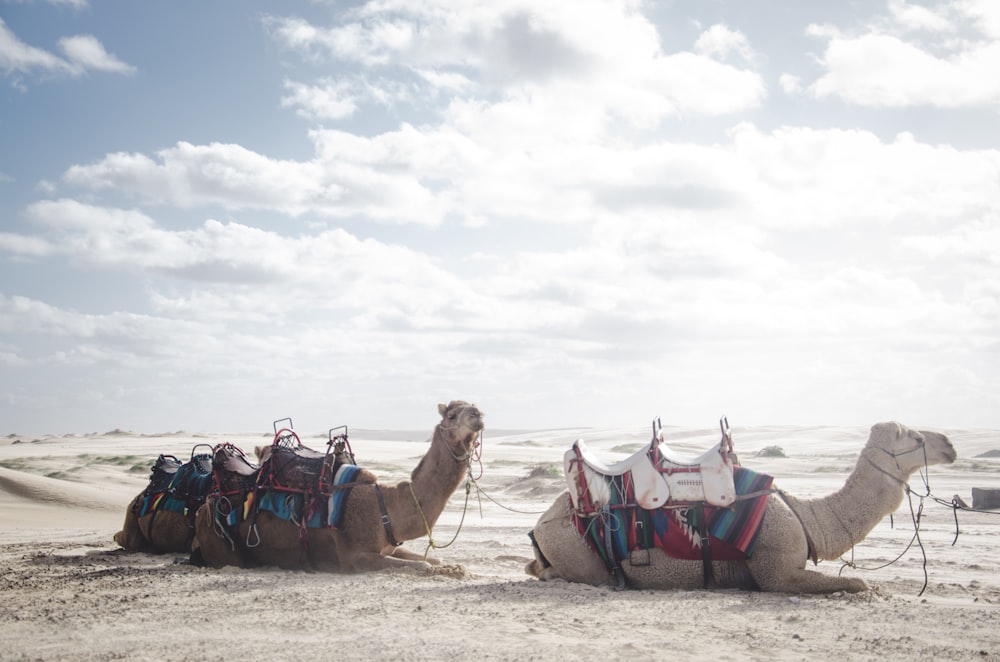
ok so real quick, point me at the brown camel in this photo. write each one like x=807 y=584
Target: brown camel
x=793 y=530
x=369 y=535
x=164 y=529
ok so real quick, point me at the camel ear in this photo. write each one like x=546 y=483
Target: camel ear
x=442 y=408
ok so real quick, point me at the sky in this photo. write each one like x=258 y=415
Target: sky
x=218 y=214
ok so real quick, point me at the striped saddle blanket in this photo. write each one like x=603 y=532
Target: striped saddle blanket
x=623 y=526
x=317 y=510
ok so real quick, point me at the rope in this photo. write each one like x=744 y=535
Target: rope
x=916 y=516
x=427 y=527
x=482 y=492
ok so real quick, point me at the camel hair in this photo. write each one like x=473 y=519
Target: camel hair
x=157 y=532
x=361 y=542
x=832 y=524
x=163 y=531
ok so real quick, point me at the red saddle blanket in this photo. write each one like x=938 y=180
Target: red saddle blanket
x=624 y=526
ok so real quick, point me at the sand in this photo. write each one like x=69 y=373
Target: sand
x=68 y=592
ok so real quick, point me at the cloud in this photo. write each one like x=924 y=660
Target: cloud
x=83 y=53
x=917 y=17
x=232 y=256
x=15 y=55
x=330 y=100
x=608 y=56
x=348 y=183
x=719 y=41
x=885 y=65
x=86 y=53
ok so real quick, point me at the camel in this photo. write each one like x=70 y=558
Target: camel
x=793 y=530
x=376 y=521
x=163 y=530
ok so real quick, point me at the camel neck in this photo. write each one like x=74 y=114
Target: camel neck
x=433 y=481
x=839 y=521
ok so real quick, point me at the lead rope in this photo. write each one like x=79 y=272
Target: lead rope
x=475 y=454
x=915 y=517
x=427 y=527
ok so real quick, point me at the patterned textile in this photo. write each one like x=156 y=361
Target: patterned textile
x=623 y=526
x=291 y=506
x=185 y=491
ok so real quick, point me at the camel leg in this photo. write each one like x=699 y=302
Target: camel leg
x=566 y=554
x=779 y=558
x=802 y=580
x=407 y=555
x=130 y=538
x=368 y=561
x=209 y=548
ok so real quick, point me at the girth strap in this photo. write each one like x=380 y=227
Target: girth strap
x=706 y=549
x=386 y=522
x=612 y=562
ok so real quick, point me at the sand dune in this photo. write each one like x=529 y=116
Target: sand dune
x=68 y=593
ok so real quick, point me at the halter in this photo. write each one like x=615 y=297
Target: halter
x=919 y=445
x=915 y=516
x=473 y=452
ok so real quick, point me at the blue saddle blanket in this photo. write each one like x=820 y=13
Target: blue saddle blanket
x=290 y=506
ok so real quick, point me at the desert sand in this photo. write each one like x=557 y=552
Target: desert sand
x=69 y=593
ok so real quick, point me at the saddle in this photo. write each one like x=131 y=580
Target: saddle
x=293 y=467
x=655 y=474
x=234 y=474
x=161 y=473
x=299 y=484
x=176 y=486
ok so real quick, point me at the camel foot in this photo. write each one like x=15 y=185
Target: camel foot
x=541 y=571
x=854 y=585
x=196 y=559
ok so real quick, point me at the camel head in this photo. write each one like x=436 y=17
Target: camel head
x=904 y=451
x=461 y=423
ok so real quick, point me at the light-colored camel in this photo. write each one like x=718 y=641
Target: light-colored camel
x=832 y=524
x=362 y=542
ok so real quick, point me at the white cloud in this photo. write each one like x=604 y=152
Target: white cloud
x=884 y=65
x=607 y=55
x=329 y=100
x=234 y=177
x=83 y=53
x=985 y=14
x=15 y=55
x=235 y=256
x=973 y=243
x=720 y=42
x=917 y=17
x=807 y=178
x=790 y=84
